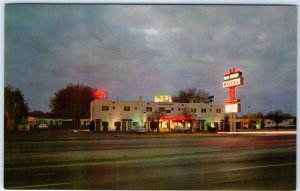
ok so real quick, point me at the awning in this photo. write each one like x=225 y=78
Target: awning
x=177 y=118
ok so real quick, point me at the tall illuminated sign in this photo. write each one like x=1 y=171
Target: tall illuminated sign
x=231 y=80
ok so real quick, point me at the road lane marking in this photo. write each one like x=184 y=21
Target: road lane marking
x=265 y=166
x=40 y=185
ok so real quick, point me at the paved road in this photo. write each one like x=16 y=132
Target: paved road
x=133 y=162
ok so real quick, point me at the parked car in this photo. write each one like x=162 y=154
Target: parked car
x=180 y=129
x=43 y=126
x=139 y=129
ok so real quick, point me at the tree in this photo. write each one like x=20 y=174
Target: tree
x=187 y=113
x=277 y=116
x=41 y=114
x=73 y=102
x=191 y=95
x=154 y=118
x=15 y=108
x=227 y=123
x=254 y=118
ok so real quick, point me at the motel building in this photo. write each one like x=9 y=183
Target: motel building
x=110 y=115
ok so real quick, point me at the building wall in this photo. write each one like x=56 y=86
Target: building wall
x=113 y=113
x=55 y=122
x=285 y=123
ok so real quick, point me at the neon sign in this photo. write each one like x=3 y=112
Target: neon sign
x=234 y=82
x=229 y=76
x=162 y=98
x=177 y=118
x=101 y=94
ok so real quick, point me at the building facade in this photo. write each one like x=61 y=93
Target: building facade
x=122 y=115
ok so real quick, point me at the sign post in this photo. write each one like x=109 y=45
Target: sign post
x=232 y=79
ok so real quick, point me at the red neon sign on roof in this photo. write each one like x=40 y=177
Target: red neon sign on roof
x=101 y=94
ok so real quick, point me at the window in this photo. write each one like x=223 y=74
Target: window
x=168 y=111
x=104 y=123
x=149 y=109
x=218 y=110
x=126 y=108
x=135 y=108
x=162 y=109
x=113 y=107
x=203 y=110
x=129 y=124
x=135 y=123
x=178 y=109
x=105 y=108
x=193 y=110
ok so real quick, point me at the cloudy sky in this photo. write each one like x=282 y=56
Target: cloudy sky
x=148 y=49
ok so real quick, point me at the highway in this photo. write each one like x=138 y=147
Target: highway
x=138 y=162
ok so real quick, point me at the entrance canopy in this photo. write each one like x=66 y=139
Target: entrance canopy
x=176 y=118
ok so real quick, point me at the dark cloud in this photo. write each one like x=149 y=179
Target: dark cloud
x=128 y=49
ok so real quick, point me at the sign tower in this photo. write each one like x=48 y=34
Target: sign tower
x=232 y=79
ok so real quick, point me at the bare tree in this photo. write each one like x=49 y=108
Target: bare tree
x=187 y=113
x=277 y=116
x=154 y=118
x=191 y=95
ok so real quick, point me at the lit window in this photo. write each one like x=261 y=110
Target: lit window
x=105 y=108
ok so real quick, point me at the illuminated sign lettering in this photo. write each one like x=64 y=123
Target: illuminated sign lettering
x=232 y=76
x=234 y=82
x=232 y=108
x=162 y=98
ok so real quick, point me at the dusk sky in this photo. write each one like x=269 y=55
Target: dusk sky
x=149 y=49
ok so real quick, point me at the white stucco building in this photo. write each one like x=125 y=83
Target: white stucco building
x=112 y=115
